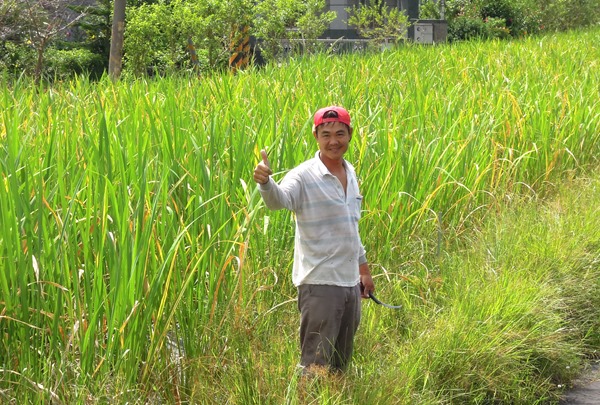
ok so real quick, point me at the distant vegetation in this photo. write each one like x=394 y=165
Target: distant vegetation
x=489 y=19
x=56 y=40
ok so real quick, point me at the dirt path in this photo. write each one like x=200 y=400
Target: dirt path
x=586 y=390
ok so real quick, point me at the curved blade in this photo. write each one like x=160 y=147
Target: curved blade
x=383 y=303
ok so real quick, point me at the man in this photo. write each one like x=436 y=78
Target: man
x=329 y=258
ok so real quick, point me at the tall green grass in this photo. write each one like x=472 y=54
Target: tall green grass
x=139 y=262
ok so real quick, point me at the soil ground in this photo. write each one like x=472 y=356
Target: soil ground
x=586 y=390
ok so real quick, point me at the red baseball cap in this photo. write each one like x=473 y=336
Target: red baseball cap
x=339 y=114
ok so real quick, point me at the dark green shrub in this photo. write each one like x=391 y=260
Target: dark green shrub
x=15 y=58
x=560 y=15
x=518 y=17
x=63 y=64
x=462 y=28
x=95 y=31
x=501 y=9
x=496 y=28
x=465 y=28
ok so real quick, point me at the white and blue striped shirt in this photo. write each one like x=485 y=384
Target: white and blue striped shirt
x=327 y=248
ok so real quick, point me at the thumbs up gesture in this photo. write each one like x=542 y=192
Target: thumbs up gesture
x=263 y=169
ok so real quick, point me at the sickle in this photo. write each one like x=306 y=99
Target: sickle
x=383 y=303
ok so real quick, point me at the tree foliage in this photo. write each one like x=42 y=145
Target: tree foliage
x=378 y=22
x=157 y=34
x=277 y=20
x=12 y=19
x=515 y=18
x=35 y=24
x=95 y=31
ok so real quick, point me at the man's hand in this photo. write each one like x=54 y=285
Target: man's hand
x=263 y=169
x=366 y=280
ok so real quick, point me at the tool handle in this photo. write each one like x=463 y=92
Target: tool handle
x=372 y=296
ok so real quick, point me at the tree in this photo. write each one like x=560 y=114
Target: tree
x=11 y=19
x=379 y=22
x=313 y=22
x=115 y=61
x=40 y=22
x=272 y=21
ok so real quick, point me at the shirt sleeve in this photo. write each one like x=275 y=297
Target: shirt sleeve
x=284 y=195
x=362 y=253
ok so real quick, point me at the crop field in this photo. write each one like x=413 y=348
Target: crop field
x=139 y=264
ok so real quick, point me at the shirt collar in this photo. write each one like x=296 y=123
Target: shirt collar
x=322 y=169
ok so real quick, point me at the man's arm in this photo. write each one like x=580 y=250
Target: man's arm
x=274 y=196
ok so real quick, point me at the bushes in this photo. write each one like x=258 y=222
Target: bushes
x=60 y=64
x=15 y=58
x=500 y=9
x=467 y=28
x=484 y=19
x=559 y=15
x=63 y=64
x=514 y=18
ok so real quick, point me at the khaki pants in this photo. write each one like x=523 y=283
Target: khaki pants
x=329 y=319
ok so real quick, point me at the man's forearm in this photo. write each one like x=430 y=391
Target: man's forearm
x=363 y=269
x=273 y=196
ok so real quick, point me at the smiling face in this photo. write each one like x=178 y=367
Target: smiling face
x=333 y=139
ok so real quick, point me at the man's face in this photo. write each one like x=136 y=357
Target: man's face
x=333 y=139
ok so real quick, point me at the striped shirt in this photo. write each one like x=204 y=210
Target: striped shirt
x=327 y=247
